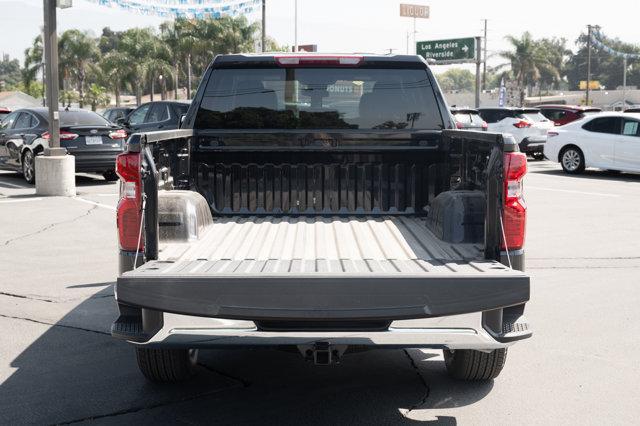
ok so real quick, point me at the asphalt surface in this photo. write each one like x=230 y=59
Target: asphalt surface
x=58 y=364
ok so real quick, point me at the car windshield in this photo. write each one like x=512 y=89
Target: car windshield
x=325 y=98
x=82 y=118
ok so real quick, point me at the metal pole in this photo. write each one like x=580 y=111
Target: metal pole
x=295 y=35
x=484 y=62
x=407 y=42
x=588 y=61
x=51 y=63
x=624 y=83
x=415 y=46
x=264 y=26
x=478 y=63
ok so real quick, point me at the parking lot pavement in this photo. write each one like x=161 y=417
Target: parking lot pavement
x=58 y=364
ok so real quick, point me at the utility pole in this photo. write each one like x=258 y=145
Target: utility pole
x=478 y=62
x=624 y=83
x=51 y=65
x=484 y=66
x=264 y=26
x=415 y=46
x=295 y=34
x=588 y=62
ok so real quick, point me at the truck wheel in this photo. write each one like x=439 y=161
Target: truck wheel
x=166 y=365
x=572 y=160
x=466 y=364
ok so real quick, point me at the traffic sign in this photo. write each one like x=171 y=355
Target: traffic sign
x=451 y=50
x=414 y=11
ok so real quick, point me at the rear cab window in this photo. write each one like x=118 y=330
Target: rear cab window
x=319 y=98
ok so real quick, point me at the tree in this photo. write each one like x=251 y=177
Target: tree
x=97 y=95
x=557 y=54
x=116 y=72
x=136 y=43
x=77 y=51
x=457 y=79
x=528 y=62
x=33 y=63
x=9 y=72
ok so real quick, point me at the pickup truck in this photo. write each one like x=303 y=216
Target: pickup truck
x=324 y=203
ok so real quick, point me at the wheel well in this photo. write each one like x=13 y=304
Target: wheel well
x=564 y=148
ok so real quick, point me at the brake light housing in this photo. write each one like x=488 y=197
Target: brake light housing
x=514 y=212
x=522 y=124
x=325 y=60
x=129 y=210
x=118 y=134
x=64 y=136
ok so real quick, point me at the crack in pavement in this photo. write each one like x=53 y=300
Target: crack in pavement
x=139 y=408
x=54 y=300
x=22 y=296
x=422 y=380
x=50 y=226
x=72 y=327
x=243 y=382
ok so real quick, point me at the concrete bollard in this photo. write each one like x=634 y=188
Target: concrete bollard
x=56 y=175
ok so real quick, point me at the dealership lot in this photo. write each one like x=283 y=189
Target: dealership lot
x=58 y=363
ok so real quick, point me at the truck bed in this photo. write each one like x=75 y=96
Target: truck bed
x=321 y=267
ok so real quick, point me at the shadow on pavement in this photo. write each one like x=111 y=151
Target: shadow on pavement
x=592 y=174
x=74 y=371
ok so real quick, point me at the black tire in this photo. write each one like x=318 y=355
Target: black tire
x=466 y=364
x=572 y=160
x=29 y=166
x=166 y=365
x=110 y=176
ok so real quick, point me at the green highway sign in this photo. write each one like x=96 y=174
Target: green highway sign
x=456 y=49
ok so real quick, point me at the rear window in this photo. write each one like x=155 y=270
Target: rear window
x=82 y=118
x=319 y=98
x=533 y=116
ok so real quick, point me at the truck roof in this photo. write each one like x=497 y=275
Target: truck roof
x=270 y=57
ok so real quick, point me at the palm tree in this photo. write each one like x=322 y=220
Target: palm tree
x=136 y=44
x=33 y=63
x=77 y=51
x=527 y=61
x=116 y=71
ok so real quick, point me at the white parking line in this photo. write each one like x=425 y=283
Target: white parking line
x=13 y=185
x=23 y=200
x=599 y=194
x=105 y=206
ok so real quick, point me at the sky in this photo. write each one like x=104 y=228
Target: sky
x=361 y=25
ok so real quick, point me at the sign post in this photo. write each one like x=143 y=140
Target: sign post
x=414 y=11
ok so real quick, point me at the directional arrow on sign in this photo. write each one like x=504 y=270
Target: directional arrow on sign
x=465 y=48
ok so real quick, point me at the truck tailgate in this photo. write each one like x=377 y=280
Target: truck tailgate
x=322 y=268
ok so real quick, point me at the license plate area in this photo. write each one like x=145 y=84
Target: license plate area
x=93 y=140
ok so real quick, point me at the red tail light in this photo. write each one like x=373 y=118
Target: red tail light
x=118 y=134
x=521 y=124
x=304 y=60
x=64 y=136
x=485 y=126
x=514 y=214
x=459 y=125
x=129 y=211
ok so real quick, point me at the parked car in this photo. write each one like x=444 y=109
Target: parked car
x=113 y=114
x=92 y=139
x=609 y=140
x=378 y=229
x=527 y=125
x=634 y=109
x=564 y=114
x=4 y=112
x=156 y=115
x=468 y=119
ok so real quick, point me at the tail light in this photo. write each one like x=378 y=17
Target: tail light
x=514 y=214
x=129 y=211
x=64 y=136
x=485 y=126
x=522 y=124
x=303 y=60
x=459 y=125
x=118 y=134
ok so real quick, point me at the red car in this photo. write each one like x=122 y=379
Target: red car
x=4 y=112
x=563 y=114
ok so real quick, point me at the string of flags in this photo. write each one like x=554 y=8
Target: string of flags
x=191 y=9
x=596 y=38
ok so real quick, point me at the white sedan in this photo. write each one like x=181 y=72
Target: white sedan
x=609 y=140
